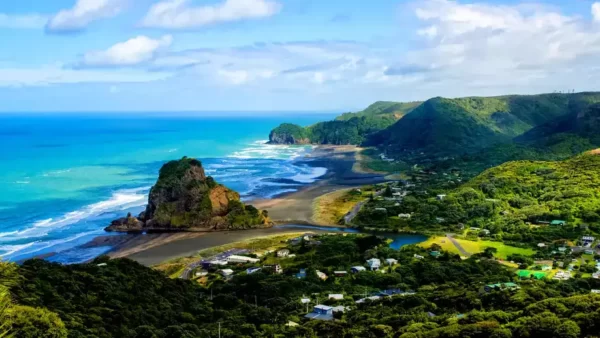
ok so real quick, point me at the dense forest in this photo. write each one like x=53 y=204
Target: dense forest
x=348 y=128
x=438 y=295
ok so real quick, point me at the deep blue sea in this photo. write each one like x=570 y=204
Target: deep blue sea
x=65 y=177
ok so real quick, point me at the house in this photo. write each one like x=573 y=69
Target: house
x=441 y=197
x=335 y=296
x=226 y=272
x=215 y=262
x=357 y=269
x=275 y=268
x=562 y=275
x=391 y=292
x=340 y=273
x=301 y=274
x=242 y=259
x=595 y=291
x=562 y=249
x=291 y=324
x=391 y=261
x=510 y=286
x=374 y=263
x=485 y=232
x=541 y=245
x=546 y=268
x=372 y=298
x=558 y=222
x=418 y=256
x=407 y=216
x=305 y=300
x=435 y=253
x=321 y=275
x=440 y=219
x=102 y=264
x=321 y=312
x=589 y=252
x=596 y=275
x=474 y=229
x=252 y=270
x=381 y=210
x=283 y=253
x=201 y=273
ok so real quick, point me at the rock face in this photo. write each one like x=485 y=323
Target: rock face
x=184 y=197
x=288 y=133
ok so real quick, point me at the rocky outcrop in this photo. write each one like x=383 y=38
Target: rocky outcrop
x=184 y=197
x=288 y=133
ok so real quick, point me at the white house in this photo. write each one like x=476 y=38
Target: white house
x=201 y=273
x=218 y=262
x=283 y=253
x=418 y=256
x=407 y=216
x=357 y=269
x=335 y=296
x=226 y=272
x=374 y=263
x=541 y=245
x=252 y=270
x=321 y=275
x=242 y=259
x=391 y=261
x=441 y=197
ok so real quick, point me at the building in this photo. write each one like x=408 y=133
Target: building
x=391 y=261
x=589 y=252
x=418 y=256
x=335 y=296
x=486 y=232
x=301 y=274
x=283 y=253
x=215 y=262
x=275 y=268
x=406 y=216
x=546 y=268
x=321 y=275
x=562 y=275
x=541 y=245
x=321 y=312
x=435 y=254
x=562 y=249
x=252 y=270
x=374 y=263
x=357 y=269
x=201 y=273
x=558 y=222
x=596 y=275
x=340 y=273
x=595 y=291
x=226 y=272
x=441 y=197
x=510 y=286
x=242 y=259
x=372 y=298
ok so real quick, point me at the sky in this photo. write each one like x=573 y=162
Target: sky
x=287 y=55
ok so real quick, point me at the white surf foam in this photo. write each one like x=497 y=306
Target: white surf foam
x=310 y=175
x=261 y=149
x=120 y=200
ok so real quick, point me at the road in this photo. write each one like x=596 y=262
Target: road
x=352 y=213
x=458 y=246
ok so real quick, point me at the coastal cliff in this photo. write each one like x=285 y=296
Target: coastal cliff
x=288 y=133
x=184 y=198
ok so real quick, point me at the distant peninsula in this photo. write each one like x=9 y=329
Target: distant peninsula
x=184 y=198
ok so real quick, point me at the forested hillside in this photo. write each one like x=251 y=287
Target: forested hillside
x=433 y=296
x=348 y=128
x=456 y=126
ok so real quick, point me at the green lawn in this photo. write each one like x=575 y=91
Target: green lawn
x=473 y=247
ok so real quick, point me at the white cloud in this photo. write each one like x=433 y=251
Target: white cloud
x=83 y=13
x=57 y=74
x=180 y=14
x=596 y=11
x=129 y=53
x=24 y=21
x=478 y=48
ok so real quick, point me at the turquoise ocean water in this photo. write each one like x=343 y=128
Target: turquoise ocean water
x=64 y=177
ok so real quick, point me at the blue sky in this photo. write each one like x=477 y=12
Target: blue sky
x=280 y=55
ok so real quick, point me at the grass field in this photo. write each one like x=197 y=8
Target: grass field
x=473 y=247
x=368 y=161
x=330 y=208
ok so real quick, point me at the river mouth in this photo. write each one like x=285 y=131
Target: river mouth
x=398 y=239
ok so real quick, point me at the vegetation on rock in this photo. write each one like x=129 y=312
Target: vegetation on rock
x=184 y=197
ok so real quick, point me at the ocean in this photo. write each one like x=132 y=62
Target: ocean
x=64 y=177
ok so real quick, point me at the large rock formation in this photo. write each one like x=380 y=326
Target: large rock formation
x=184 y=197
x=288 y=133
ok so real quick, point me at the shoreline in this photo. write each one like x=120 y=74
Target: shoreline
x=295 y=208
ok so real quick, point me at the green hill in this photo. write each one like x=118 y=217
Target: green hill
x=442 y=125
x=348 y=128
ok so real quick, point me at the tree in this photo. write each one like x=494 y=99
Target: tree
x=29 y=322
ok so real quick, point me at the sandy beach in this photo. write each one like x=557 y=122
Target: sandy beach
x=290 y=208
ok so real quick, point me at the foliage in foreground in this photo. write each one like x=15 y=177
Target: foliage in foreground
x=125 y=299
